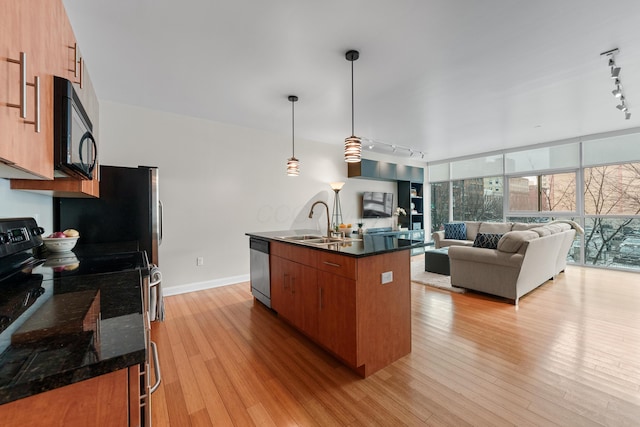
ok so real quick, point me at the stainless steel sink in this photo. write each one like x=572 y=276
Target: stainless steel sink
x=302 y=237
x=314 y=240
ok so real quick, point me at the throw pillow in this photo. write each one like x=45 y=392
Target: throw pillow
x=455 y=231
x=487 y=240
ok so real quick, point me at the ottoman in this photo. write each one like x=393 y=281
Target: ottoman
x=437 y=261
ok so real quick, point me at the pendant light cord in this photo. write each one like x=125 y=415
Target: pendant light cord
x=293 y=128
x=352 y=102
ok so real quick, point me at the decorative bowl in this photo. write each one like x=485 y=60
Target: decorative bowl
x=59 y=244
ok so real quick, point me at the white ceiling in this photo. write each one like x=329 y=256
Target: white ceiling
x=447 y=77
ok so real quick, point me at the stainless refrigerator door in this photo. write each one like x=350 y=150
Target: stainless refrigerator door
x=156 y=215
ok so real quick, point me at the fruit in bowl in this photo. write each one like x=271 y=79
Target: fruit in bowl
x=61 y=241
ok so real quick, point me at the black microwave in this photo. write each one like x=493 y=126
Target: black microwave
x=74 y=147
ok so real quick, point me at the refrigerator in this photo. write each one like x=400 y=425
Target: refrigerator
x=126 y=217
x=128 y=214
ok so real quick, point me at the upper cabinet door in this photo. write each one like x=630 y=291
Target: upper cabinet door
x=25 y=28
x=41 y=29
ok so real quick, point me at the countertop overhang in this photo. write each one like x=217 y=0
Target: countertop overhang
x=80 y=327
x=367 y=244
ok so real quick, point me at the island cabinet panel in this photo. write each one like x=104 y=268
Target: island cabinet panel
x=296 y=253
x=294 y=293
x=384 y=310
x=337 y=264
x=337 y=316
x=341 y=303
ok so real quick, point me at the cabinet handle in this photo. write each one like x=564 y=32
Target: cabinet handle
x=23 y=84
x=284 y=282
x=320 y=299
x=81 y=82
x=77 y=59
x=36 y=120
x=22 y=106
x=332 y=264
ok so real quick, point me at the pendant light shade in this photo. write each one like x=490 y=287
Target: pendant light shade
x=293 y=165
x=352 y=144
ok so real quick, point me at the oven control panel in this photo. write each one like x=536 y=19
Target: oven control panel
x=19 y=234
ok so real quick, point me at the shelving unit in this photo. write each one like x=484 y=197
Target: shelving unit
x=410 y=180
x=410 y=197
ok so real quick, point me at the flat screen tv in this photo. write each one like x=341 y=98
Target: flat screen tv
x=377 y=204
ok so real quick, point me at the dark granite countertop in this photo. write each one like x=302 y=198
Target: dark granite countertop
x=71 y=329
x=355 y=246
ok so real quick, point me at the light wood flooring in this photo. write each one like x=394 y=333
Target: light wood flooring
x=569 y=355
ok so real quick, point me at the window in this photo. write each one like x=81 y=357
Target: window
x=612 y=190
x=439 y=205
x=543 y=193
x=473 y=200
x=612 y=205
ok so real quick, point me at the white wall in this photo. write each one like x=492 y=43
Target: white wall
x=14 y=204
x=218 y=181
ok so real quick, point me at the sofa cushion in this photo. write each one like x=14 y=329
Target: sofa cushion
x=487 y=240
x=542 y=231
x=472 y=229
x=455 y=231
x=521 y=226
x=512 y=241
x=494 y=227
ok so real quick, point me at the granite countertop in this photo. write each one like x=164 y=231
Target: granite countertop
x=356 y=246
x=72 y=329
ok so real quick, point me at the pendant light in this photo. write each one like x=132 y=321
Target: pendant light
x=352 y=145
x=293 y=166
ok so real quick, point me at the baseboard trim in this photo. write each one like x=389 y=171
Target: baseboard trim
x=199 y=286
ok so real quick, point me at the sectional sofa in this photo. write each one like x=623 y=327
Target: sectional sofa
x=509 y=259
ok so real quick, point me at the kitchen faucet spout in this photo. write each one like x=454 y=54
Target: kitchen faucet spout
x=328 y=220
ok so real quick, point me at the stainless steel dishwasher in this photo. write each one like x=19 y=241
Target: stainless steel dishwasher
x=259 y=270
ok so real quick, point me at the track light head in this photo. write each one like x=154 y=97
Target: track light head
x=622 y=106
x=627 y=115
x=615 y=72
x=617 y=92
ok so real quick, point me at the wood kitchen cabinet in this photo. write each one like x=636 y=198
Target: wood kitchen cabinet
x=102 y=401
x=24 y=152
x=294 y=294
x=40 y=29
x=340 y=302
x=337 y=315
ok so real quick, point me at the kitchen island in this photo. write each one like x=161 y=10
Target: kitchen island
x=350 y=296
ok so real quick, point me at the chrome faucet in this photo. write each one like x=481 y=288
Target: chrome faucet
x=328 y=220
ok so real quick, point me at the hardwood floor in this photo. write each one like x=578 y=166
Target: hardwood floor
x=569 y=355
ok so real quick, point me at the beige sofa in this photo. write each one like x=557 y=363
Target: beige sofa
x=475 y=227
x=527 y=255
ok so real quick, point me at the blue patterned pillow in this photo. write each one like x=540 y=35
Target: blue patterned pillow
x=455 y=230
x=487 y=240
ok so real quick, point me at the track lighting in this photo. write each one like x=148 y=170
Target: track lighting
x=617 y=92
x=615 y=72
x=615 y=75
x=385 y=147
